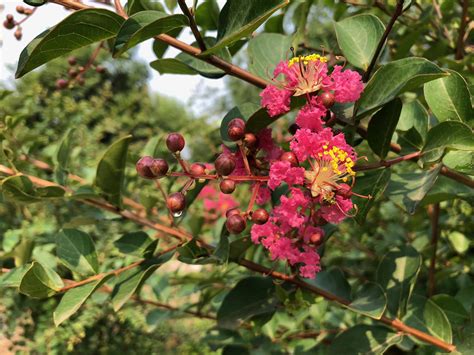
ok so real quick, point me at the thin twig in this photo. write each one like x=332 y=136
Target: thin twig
x=192 y=24
x=388 y=163
x=434 y=214
x=462 y=30
x=396 y=14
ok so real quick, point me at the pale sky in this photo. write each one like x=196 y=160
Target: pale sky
x=181 y=87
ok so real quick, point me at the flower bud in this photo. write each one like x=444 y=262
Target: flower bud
x=8 y=25
x=227 y=186
x=236 y=129
x=260 y=216
x=175 y=142
x=232 y=211
x=225 y=164
x=250 y=141
x=72 y=60
x=20 y=9
x=100 y=69
x=176 y=202
x=316 y=238
x=159 y=168
x=72 y=72
x=236 y=224
x=328 y=99
x=18 y=34
x=291 y=158
x=61 y=84
x=143 y=167
x=197 y=169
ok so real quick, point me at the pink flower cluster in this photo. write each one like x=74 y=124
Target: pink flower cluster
x=318 y=168
x=215 y=201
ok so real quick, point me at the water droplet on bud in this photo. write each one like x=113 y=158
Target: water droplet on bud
x=177 y=214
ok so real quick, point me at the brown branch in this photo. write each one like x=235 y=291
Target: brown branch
x=388 y=163
x=394 y=323
x=462 y=30
x=192 y=24
x=396 y=14
x=433 y=210
x=119 y=8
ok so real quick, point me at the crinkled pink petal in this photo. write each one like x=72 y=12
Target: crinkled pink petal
x=267 y=144
x=282 y=171
x=347 y=85
x=263 y=196
x=310 y=116
x=276 y=101
x=337 y=212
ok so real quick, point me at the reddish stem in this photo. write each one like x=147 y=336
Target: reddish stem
x=244 y=157
x=256 y=187
x=216 y=177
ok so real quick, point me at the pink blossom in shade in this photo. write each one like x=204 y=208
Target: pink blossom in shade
x=310 y=116
x=337 y=212
x=307 y=231
x=267 y=144
x=276 y=101
x=215 y=201
x=282 y=171
x=290 y=212
x=311 y=263
x=263 y=195
x=268 y=230
x=347 y=85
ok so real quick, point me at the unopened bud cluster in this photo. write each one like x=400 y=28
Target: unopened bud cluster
x=10 y=23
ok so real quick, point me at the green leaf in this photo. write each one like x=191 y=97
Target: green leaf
x=453 y=309
x=188 y=64
x=137 y=244
x=19 y=188
x=370 y=300
x=13 y=277
x=239 y=18
x=364 y=339
x=243 y=111
x=238 y=247
x=160 y=47
x=395 y=78
x=144 y=25
x=382 y=126
x=449 y=98
x=462 y=161
x=76 y=251
x=459 y=242
x=222 y=250
x=332 y=281
x=131 y=280
x=78 y=30
x=265 y=51
x=111 y=171
x=62 y=156
x=35 y=2
x=134 y=6
x=358 y=37
x=207 y=15
x=407 y=190
x=447 y=135
x=74 y=299
x=192 y=253
x=40 y=282
x=437 y=322
x=371 y=183
x=397 y=274
x=413 y=123
x=251 y=297
x=447 y=189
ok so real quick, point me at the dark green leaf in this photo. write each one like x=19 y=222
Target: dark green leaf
x=407 y=190
x=207 y=15
x=14 y=276
x=358 y=37
x=447 y=189
x=370 y=300
x=239 y=18
x=447 y=135
x=382 y=126
x=62 y=156
x=397 y=274
x=136 y=243
x=265 y=51
x=40 y=282
x=372 y=183
x=160 y=47
x=252 y=296
x=332 y=281
x=74 y=299
x=111 y=171
x=76 y=251
x=453 y=309
x=364 y=339
x=413 y=123
x=192 y=253
x=78 y=30
x=437 y=322
x=395 y=78
x=449 y=98
x=134 y=6
x=19 y=188
x=145 y=25
x=131 y=280
x=172 y=66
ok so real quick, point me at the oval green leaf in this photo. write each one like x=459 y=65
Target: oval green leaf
x=76 y=250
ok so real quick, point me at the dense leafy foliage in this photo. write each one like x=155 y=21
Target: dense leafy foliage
x=91 y=256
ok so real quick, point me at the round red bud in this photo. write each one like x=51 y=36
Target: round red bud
x=236 y=224
x=143 y=167
x=227 y=186
x=72 y=72
x=176 y=202
x=316 y=238
x=18 y=34
x=8 y=25
x=20 y=9
x=28 y=12
x=72 y=60
x=260 y=216
x=328 y=99
x=197 y=169
x=100 y=69
x=159 y=168
x=232 y=211
x=225 y=164
x=175 y=142
x=291 y=158
x=250 y=140
x=80 y=80
x=61 y=84
x=236 y=129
